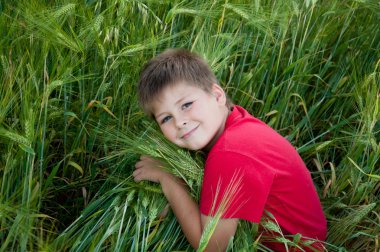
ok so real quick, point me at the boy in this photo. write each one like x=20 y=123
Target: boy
x=178 y=89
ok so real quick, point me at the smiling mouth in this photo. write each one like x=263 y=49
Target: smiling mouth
x=188 y=134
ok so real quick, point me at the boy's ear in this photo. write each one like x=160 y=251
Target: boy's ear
x=218 y=92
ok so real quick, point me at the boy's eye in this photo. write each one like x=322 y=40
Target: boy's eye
x=187 y=105
x=165 y=119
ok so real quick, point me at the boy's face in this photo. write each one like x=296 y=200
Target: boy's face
x=189 y=116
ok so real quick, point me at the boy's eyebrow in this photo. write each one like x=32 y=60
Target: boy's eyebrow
x=156 y=116
x=178 y=101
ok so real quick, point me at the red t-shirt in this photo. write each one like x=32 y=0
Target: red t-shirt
x=271 y=175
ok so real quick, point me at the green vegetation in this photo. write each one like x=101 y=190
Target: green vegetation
x=71 y=129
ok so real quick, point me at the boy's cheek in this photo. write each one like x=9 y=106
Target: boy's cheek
x=168 y=134
x=163 y=130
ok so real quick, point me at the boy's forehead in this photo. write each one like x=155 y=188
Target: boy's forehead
x=165 y=96
x=172 y=94
x=158 y=101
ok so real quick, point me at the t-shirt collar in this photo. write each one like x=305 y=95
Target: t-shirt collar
x=235 y=114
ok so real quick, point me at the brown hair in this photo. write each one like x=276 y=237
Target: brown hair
x=170 y=67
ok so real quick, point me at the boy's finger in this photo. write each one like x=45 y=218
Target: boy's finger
x=138 y=165
x=136 y=176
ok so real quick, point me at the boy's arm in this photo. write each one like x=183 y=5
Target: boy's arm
x=184 y=207
x=224 y=230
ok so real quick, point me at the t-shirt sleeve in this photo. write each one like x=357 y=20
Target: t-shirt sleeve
x=236 y=185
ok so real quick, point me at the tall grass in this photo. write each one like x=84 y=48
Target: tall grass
x=71 y=129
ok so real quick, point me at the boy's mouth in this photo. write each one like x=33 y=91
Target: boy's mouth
x=189 y=133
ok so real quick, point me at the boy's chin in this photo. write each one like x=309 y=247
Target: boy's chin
x=194 y=147
x=191 y=148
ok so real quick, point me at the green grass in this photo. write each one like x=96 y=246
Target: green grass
x=71 y=129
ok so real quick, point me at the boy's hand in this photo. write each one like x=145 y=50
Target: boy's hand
x=149 y=169
x=183 y=205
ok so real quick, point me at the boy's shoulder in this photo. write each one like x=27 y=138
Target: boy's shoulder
x=241 y=125
x=245 y=133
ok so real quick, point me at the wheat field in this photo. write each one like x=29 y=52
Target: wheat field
x=71 y=129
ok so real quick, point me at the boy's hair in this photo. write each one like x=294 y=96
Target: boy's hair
x=170 y=67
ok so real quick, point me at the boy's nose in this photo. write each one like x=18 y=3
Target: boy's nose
x=181 y=122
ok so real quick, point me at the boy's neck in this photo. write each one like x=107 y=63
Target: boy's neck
x=209 y=146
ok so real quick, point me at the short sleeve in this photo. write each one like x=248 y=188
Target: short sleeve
x=236 y=184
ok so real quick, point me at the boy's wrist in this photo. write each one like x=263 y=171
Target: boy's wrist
x=168 y=179
x=165 y=176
